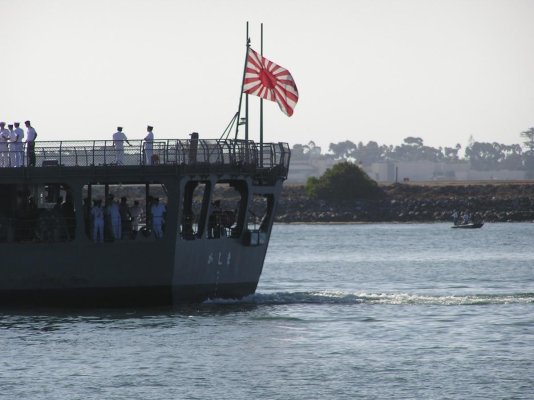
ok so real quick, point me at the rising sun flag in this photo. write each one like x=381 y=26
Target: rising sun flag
x=269 y=81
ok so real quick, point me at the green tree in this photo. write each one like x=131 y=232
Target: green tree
x=528 y=156
x=528 y=135
x=484 y=156
x=342 y=150
x=413 y=141
x=343 y=182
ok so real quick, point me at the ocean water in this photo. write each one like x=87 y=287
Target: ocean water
x=377 y=311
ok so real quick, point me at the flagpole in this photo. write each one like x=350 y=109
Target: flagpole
x=261 y=105
x=246 y=101
x=241 y=92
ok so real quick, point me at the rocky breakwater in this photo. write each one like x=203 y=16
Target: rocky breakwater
x=414 y=203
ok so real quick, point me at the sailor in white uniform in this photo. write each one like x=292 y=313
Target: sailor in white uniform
x=148 y=145
x=11 y=146
x=158 y=211
x=4 y=137
x=119 y=138
x=97 y=215
x=115 y=218
x=19 y=152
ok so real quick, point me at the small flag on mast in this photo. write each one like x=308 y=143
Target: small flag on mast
x=269 y=81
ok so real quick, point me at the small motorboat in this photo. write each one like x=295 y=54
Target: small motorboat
x=470 y=225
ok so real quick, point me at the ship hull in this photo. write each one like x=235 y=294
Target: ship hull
x=51 y=257
x=162 y=272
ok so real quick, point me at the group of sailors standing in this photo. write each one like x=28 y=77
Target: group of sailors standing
x=119 y=138
x=122 y=220
x=12 y=146
x=149 y=157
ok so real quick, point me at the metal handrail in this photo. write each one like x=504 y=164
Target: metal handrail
x=168 y=151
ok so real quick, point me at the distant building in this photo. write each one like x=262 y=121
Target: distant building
x=301 y=170
x=403 y=171
x=315 y=164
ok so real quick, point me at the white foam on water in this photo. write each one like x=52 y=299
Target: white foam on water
x=342 y=298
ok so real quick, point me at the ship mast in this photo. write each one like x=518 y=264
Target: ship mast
x=237 y=117
x=239 y=122
x=261 y=105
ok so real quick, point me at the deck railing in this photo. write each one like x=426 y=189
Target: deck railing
x=161 y=152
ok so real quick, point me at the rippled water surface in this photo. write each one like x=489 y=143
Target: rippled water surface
x=342 y=312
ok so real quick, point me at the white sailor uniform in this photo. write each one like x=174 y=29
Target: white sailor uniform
x=97 y=215
x=4 y=153
x=157 y=210
x=115 y=217
x=148 y=147
x=118 y=142
x=19 y=148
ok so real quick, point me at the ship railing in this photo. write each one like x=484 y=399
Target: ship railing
x=162 y=152
x=272 y=155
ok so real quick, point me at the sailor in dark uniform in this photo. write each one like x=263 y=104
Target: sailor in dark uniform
x=31 y=135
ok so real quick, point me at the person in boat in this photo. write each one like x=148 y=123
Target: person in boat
x=97 y=216
x=455 y=217
x=119 y=138
x=148 y=145
x=114 y=217
x=466 y=218
x=19 y=148
x=31 y=135
x=4 y=137
x=158 y=211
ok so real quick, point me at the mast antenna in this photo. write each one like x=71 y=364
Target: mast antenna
x=239 y=122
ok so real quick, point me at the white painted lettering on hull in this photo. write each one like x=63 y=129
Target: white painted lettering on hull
x=221 y=258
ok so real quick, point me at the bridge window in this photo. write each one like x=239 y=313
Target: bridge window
x=124 y=212
x=195 y=208
x=37 y=213
x=227 y=209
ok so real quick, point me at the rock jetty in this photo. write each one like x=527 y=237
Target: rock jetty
x=414 y=203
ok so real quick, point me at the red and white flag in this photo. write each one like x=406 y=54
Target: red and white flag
x=269 y=81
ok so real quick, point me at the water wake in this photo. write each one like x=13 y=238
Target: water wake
x=342 y=298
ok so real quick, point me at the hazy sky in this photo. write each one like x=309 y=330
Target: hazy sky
x=366 y=69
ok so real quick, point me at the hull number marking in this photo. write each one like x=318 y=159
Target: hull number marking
x=220 y=258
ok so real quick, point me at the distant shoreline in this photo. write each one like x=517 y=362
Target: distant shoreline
x=405 y=203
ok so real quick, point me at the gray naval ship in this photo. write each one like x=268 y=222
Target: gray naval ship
x=220 y=198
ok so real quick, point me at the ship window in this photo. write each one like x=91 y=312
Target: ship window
x=195 y=208
x=227 y=210
x=37 y=213
x=114 y=212
x=260 y=212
